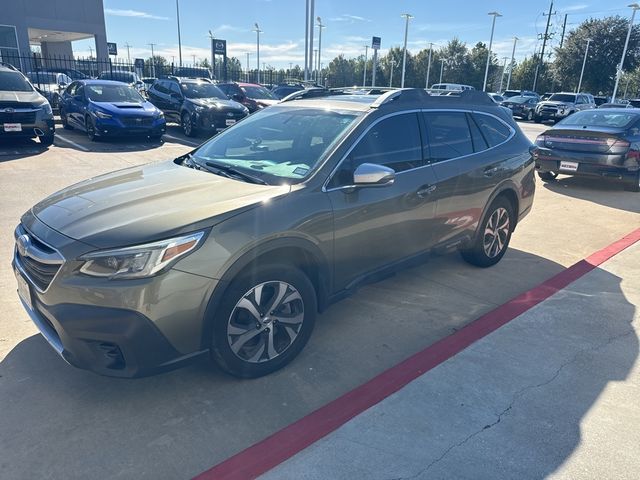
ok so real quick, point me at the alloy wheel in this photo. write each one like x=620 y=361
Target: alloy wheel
x=496 y=232
x=265 y=322
x=187 y=127
x=90 y=128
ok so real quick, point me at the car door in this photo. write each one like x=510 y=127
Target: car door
x=377 y=226
x=467 y=168
x=65 y=99
x=77 y=107
x=175 y=100
x=158 y=95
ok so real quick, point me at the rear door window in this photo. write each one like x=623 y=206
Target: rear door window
x=493 y=130
x=448 y=135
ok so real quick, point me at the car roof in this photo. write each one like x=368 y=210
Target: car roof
x=99 y=82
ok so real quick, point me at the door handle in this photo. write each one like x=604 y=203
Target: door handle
x=426 y=190
x=490 y=172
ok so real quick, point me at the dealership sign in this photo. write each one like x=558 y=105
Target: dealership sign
x=112 y=48
x=220 y=47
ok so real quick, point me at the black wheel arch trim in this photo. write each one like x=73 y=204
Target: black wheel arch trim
x=507 y=186
x=322 y=283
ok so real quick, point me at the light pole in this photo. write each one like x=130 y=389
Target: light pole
x=407 y=17
x=486 y=70
x=426 y=83
x=315 y=52
x=504 y=67
x=364 y=75
x=248 y=53
x=320 y=27
x=635 y=8
x=128 y=54
x=441 y=69
x=393 y=63
x=258 y=32
x=179 y=40
x=213 y=55
x=153 y=60
x=513 y=54
x=584 y=62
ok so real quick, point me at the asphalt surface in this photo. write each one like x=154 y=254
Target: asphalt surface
x=58 y=421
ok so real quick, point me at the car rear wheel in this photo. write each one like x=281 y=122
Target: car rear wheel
x=547 y=176
x=187 y=125
x=494 y=235
x=264 y=320
x=90 y=128
x=634 y=184
x=46 y=140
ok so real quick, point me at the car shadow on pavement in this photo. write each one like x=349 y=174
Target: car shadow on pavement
x=597 y=190
x=17 y=148
x=62 y=422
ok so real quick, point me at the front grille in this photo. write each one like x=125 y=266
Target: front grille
x=17 y=117
x=14 y=105
x=39 y=261
x=137 y=121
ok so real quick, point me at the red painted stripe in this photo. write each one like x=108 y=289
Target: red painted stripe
x=282 y=445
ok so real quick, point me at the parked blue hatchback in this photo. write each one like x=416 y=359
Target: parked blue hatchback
x=104 y=108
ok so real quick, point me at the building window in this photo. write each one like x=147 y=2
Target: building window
x=9 y=52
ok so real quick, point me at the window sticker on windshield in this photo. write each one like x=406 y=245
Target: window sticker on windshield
x=302 y=171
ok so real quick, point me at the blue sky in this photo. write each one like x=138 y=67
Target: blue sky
x=349 y=25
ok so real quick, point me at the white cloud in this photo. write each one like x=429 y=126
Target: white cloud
x=132 y=13
x=345 y=17
x=574 y=8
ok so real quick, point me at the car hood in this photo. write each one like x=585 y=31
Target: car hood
x=148 y=203
x=34 y=98
x=216 y=103
x=127 y=108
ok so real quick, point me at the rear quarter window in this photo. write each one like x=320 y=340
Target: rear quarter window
x=493 y=130
x=448 y=135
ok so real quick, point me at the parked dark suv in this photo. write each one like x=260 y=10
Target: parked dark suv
x=195 y=104
x=24 y=112
x=232 y=249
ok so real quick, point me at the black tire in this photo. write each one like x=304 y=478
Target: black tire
x=633 y=185
x=530 y=115
x=64 y=121
x=155 y=138
x=481 y=255
x=548 y=176
x=90 y=128
x=188 y=127
x=251 y=358
x=537 y=119
x=46 y=140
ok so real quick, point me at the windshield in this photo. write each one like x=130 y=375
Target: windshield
x=112 y=93
x=562 y=97
x=260 y=93
x=595 y=118
x=201 y=90
x=277 y=143
x=14 y=82
x=519 y=99
x=119 y=77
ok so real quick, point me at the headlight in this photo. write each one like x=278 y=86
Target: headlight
x=160 y=114
x=199 y=109
x=46 y=108
x=140 y=261
x=100 y=114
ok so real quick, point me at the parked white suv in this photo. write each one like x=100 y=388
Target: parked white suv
x=561 y=105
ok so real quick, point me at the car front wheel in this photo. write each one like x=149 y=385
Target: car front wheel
x=187 y=125
x=90 y=128
x=494 y=235
x=530 y=115
x=634 y=184
x=264 y=320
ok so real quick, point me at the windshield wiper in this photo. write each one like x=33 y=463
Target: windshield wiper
x=232 y=171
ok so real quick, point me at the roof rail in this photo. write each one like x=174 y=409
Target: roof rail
x=9 y=66
x=308 y=93
x=421 y=95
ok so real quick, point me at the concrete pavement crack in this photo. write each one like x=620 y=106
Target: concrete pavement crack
x=519 y=394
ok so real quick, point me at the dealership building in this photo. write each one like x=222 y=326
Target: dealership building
x=52 y=25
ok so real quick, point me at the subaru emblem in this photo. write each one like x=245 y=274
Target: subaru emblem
x=9 y=110
x=229 y=114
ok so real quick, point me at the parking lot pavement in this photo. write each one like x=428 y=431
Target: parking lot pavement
x=553 y=394
x=58 y=421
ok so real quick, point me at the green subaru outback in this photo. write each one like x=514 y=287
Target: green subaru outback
x=233 y=249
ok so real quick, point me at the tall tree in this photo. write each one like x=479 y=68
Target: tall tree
x=607 y=41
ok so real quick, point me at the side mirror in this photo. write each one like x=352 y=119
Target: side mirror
x=371 y=174
x=176 y=96
x=77 y=98
x=237 y=97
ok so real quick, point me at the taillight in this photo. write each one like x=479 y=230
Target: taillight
x=540 y=140
x=632 y=158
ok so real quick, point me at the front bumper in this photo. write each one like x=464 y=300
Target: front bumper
x=215 y=121
x=31 y=130
x=115 y=127
x=127 y=328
